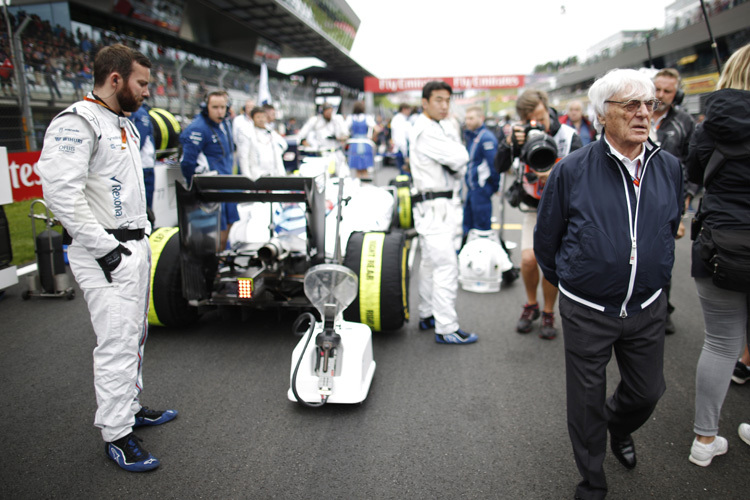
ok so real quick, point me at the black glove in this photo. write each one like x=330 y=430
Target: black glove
x=109 y=262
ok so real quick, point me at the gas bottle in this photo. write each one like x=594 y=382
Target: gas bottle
x=50 y=260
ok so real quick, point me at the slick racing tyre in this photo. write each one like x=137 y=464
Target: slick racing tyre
x=167 y=306
x=402 y=216
x=166 y=130
x=379 y=259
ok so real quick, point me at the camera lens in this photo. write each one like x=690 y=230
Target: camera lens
x=539 y=151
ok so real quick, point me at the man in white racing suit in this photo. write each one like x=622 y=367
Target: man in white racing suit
x=326 y=132
x=437 y=159
x=260 y=150
x=92 y=178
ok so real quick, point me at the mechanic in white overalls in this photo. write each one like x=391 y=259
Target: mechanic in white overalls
x=92 y=178
x=437 y=160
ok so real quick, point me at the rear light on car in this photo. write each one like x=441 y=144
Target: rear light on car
x=245 y=288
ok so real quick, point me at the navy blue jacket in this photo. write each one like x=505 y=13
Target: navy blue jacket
x=584 y=239
x=482 y=147
x=205 y=146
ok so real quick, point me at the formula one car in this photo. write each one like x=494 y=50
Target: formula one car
x=287 y=225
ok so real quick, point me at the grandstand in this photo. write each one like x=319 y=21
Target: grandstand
x=196 y=47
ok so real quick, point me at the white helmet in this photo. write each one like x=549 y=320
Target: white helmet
x=482 y=262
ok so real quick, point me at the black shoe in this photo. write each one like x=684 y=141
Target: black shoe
x=741 y=373
x=529 y=314
x=624 y=450
x=669 y=328
x=511 y=275
x=427 y=323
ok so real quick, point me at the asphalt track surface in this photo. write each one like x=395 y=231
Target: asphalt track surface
x=484 y=421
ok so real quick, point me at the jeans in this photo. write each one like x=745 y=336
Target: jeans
x=725 y=314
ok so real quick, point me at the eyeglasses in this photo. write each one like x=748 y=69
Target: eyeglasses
x=634 y=104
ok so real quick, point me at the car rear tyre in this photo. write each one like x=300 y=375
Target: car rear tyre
x=168 y=307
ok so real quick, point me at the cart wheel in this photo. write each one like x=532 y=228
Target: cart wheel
x=70 y=294
x=379 y=259
x=25 y=295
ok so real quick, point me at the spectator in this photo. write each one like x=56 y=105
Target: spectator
x=51 y=81
x=605 y=235
x=578 y=121
x=6 y=75
x=725 y=212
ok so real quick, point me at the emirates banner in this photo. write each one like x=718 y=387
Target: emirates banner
x=457 y=83
x=24 y=178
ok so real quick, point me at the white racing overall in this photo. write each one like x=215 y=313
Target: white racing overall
x=92 y=178
x=437 y=160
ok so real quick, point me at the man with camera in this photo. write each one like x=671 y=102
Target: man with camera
x=539 y=141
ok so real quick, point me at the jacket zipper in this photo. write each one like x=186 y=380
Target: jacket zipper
x=633 y=223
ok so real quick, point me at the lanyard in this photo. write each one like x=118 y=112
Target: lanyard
x=102 y=103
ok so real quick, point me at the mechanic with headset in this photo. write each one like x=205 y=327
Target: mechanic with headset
x=207 y=146
x=91 y=174
x=671 y=129
x=437 y=161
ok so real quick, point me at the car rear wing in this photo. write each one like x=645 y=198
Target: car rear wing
x=199 y=219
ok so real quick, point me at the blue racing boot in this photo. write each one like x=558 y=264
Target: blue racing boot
x=130 y=455
x=457 y=337
x=153 y=417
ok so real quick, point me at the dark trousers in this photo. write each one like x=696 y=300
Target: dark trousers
x=477 y=210
x=638 y=342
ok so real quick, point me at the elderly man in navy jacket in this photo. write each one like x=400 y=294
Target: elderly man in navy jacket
x=605 y=235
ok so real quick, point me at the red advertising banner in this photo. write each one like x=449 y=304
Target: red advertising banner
x=24 y=179
x=388 y=85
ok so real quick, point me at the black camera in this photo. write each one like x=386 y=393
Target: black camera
x=539 y=150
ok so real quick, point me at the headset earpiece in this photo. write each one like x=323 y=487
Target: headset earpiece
x=678 y=97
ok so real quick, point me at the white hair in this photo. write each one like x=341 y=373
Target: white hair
x=629 y=83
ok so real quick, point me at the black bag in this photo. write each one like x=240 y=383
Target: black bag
x=514 y=194
x=726 y=252
x=727 y=255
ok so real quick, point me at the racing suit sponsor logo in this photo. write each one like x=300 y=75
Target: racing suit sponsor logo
x=66 y=148
x=74 y=140
x=196 y=137
x=116 y=197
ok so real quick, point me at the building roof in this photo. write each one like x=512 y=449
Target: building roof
x=289 y=23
